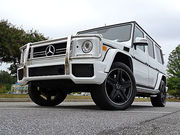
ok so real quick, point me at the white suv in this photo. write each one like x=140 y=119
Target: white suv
x=115 y=63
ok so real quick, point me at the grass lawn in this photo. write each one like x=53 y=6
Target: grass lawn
x=14 y=96
x=78 y=97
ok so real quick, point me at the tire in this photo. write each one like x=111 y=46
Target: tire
x=118 y=90
x=160 y=100
x=43 y=97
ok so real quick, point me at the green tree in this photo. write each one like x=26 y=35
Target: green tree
x=11 y=38
x=6 y=80
x=174 y=72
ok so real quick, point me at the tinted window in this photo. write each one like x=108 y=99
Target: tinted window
x=119 y=33
x=150 y=48
x=138 y=33
x=159 y=55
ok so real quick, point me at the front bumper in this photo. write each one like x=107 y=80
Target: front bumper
x=97 y=77
x=63 y=67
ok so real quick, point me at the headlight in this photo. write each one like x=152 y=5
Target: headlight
x=87 y=46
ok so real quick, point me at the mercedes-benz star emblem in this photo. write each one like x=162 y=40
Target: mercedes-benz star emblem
x=50 y=50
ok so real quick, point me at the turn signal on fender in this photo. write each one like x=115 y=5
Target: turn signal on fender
x=104 y=48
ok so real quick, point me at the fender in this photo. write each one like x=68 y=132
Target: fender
x=109 y=58
x=160 y=76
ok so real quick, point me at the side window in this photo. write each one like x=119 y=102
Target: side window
x=150 y=48
x=159 y=55
x=138 y=33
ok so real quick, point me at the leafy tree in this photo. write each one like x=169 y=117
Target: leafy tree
x=11 y=38
x=174 y=72
x=6 y=80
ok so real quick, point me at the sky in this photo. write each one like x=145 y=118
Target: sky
x=60 y=18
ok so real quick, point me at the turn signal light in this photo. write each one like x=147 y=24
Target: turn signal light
x=104 y=48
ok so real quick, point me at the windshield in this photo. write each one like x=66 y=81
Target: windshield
x=119 y=33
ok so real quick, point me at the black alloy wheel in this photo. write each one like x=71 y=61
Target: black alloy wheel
x=160 y=100
x=45 y=96
x=118 y=90
x=118 y=86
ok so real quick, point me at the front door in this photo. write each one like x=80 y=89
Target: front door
x=140 y=59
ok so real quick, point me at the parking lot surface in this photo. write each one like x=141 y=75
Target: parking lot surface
x=84 y=118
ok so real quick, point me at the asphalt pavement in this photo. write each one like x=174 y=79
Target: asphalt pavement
x=84 y=118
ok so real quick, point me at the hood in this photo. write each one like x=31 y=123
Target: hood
x=115 y=44
x=108 y=42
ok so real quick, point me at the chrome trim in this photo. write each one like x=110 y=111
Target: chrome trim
x=38 y=52
x=23 y=47
x=42 y=54
x=26 y=53
x=61 y=49
x=47 y=57
x=86 y=57
x=48 y=41
x=26 y=59
x=88 y=35
x=67 y=55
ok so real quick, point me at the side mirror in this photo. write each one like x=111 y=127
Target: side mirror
x=140 y=41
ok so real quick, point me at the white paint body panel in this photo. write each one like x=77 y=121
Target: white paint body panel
x=140 y=69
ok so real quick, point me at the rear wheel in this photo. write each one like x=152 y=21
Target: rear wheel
x=160 y=100
x=45 y=97
x=118 y=90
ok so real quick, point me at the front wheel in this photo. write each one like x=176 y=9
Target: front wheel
x=45 y=96
x=118 y=90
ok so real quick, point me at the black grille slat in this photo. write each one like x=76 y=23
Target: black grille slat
x=60 y=48
x=46 y=71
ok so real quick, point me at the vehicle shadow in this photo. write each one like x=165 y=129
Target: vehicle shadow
x=94 y=107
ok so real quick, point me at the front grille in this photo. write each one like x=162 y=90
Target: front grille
x=46 y=71
x=59 y=48
x=20 y=74
x=83 y=70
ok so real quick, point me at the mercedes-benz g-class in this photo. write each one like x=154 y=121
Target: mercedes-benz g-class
x=114 y=63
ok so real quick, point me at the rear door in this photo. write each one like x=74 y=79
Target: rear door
x=153 y=73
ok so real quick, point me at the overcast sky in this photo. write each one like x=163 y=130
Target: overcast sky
x=59 y=18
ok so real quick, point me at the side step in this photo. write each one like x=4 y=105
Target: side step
x=147 y=91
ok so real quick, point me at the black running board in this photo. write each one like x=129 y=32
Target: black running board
x=147 y=91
